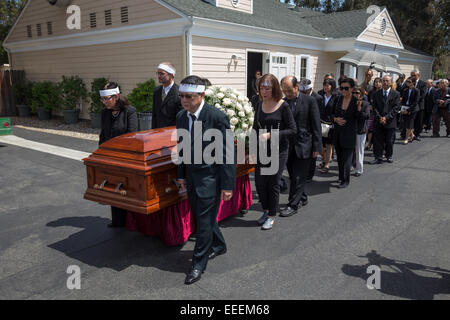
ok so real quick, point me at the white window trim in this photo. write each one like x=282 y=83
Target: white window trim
x=289 y=61
x=298 y=63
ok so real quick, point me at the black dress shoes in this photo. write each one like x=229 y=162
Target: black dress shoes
x=376 y=161
x=343 y=185
x=193 y=276
x=390 y=160
x=214 y=254
x=287 y=212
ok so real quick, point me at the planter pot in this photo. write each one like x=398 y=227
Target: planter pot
x=96 y=120
x=144 y=121
x=71 y=116
x=24 y=110
x=44 y=114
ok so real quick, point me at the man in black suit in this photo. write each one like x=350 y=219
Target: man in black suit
x=386 y=105
x=429 y=101
x=418 y=121
x=306 y=87
x=400 y=83
x=166 y=103
x=441 y=108
x=206 y=184
x=304 y=146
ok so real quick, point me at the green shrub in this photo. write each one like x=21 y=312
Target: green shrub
x=22 y=92
x=142 y=96
x=96 y=105
x=45 y=94
x=73 y=92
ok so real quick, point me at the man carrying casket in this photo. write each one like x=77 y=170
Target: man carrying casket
x=206 y=184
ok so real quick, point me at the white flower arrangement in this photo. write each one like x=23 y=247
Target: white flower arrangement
x=235 y=105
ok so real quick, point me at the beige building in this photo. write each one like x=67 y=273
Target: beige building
x=223 y=40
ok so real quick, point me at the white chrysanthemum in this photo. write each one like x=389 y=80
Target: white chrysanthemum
x=233 y=96
x=209 y=93
x=227 y=102
x=232 y=127
x=239 y=107
x=218 y=106
x=235 y=92
x=230 y=113
x=220 y=95
x=223 y=89
x=247 y=109
x=245 y=127
x=241 y=99
x=234 y=121
x=250 y=120
x=241 y=114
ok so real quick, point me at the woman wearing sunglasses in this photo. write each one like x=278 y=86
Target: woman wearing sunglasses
x=118 y=117
x=346 y=114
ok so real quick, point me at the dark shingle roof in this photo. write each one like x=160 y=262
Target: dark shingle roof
x=414 y=50
x=268 y=14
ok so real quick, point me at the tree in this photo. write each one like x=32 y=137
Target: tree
x=9 y=12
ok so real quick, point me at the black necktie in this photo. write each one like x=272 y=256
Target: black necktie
x=193 y=117
x=385 y=95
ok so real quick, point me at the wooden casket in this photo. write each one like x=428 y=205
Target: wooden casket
x=135 y=172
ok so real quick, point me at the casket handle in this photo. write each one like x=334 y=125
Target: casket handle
x=123 y=192
x=96 y=186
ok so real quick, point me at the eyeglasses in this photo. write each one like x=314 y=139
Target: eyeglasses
x=161 y=73
x=186 y=96
x=345 y=88
x=106 y=98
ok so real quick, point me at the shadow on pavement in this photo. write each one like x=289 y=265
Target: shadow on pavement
x=406 y=279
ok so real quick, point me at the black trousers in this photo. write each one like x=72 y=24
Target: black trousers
x=208 y=234
x=418 y=123
x=268 y=186
x=427 y=119
x=298 y=170
x=312 y=168
x=118 y=217
x=344 y=159
x=383 y=140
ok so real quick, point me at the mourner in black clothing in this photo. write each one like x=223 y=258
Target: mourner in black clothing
x=441 y=108
x=206 y=184
x=304 y=145
x=329 y=96
x=429 y=102
x=361 y=132
x=410 y=101
x=418 y=119
x=273 y=113
x=400 y=83
x=255 y=83
x=306 y=87
x=118 y=118
x=386 y=105
x=166 y=103
x=346 y=114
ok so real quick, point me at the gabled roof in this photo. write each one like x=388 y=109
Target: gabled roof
x=417 y=51
x=268 y=14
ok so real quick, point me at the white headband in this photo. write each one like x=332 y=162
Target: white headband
x=305 y=87
x=167 y=68
x=193 y=88
x=109 y=92
x=266 y=83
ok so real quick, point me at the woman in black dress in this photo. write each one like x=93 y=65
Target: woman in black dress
x=118 y=117
x=329 y=96
x=410 y=99
x=345 y=115
x=272 y=113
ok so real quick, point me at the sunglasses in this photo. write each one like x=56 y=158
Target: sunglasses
x=345 y=88
x=186 y=96
x=106 y=98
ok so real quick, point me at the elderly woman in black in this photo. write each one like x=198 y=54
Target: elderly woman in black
x=329 y=96
x=272 y=113
x=118 y=117
x=346 y=114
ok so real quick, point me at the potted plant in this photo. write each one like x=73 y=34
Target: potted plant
x=22 y=93
x=96 y=105
x=73 y=92
x=142 y=99
x=45 y=97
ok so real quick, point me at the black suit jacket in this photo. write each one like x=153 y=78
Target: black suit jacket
x=413 y=99
x=422 y=86
x=430 y=100
x=309 y=131
x=326 y=110
x=165 y=113
x=387 y=109
x=318 y=97
x=346 y=134
x=400 y=87
x=112 y=127
x=440 y=96
x=207 y=180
